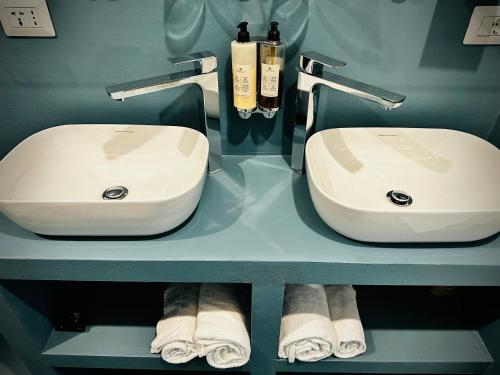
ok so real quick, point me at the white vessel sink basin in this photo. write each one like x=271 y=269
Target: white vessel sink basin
x=452 y=178
x=53 y=182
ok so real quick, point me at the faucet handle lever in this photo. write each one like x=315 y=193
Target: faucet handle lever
x=313 y=62
x=206 y=59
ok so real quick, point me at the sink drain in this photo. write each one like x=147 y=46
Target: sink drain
x=115 y=192
x=399 y=198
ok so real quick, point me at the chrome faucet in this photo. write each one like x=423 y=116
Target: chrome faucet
x=205 y=77
x=311 y=75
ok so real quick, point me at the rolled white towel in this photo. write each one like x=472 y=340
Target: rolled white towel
x=221 y=328
x=345 y=320
x=306 y=330
x=175 y=331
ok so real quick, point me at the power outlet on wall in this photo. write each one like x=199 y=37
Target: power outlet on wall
x=495 y=29
x=484 y=26
x=26 y=18
x=23 y=17
x=490 y=26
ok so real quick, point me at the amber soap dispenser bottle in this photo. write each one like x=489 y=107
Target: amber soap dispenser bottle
x=272 y=64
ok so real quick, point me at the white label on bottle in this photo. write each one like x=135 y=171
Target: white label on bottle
x=269 y=81
x=241 y=80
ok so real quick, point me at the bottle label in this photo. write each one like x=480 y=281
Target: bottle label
x=269 y=81
x=241 y=80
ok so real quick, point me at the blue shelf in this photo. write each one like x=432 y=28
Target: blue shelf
x=401 y=335
x=255 y=220
x=390 y=351
x=107 y=346
x=409 y=352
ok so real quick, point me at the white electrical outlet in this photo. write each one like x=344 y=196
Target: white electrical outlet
x=484 y=26
x=495 y=29
x=26 y=18
x=23 y=17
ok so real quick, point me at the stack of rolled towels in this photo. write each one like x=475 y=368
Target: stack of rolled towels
x=318 y=321
x=203 y=320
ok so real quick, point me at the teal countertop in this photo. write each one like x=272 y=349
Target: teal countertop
x=255 y=223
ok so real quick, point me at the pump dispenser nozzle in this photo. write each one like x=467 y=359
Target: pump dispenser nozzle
x=273 y=35
x=243 y=34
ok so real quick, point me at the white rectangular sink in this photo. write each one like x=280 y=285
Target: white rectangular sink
x=451 y=180
x=54 y=182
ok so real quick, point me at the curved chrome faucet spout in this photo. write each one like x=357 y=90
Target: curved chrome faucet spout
x=310 y=76
x=204 y=76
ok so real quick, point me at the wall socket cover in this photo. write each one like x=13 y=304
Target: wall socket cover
x=484 y=26
x=26 y=18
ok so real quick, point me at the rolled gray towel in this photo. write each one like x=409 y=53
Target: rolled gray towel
x=306 y=330
x=345 y=321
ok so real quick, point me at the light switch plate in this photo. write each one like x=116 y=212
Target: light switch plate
x=484 y=26
x=26 y=18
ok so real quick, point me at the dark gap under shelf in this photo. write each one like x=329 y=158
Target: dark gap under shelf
x=85 y=371
x=350 y=373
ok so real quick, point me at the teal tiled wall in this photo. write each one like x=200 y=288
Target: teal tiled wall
x=409 y=46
